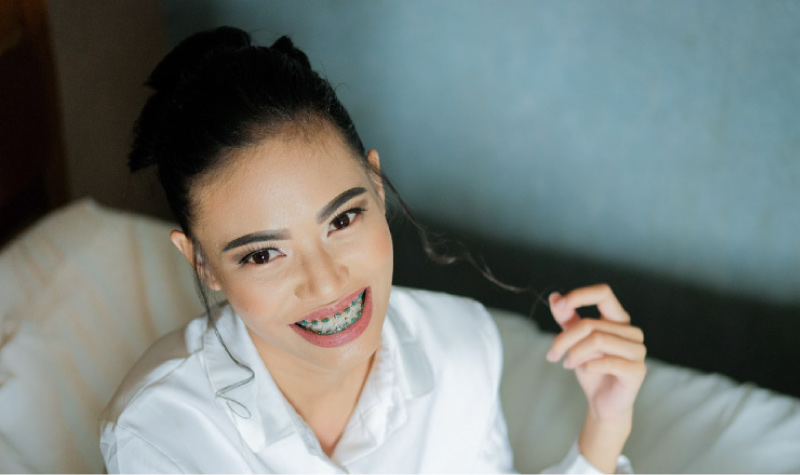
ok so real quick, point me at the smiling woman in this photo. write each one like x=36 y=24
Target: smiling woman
x=328 y=243
x=316 y=363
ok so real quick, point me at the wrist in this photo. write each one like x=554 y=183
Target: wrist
x=602 y=440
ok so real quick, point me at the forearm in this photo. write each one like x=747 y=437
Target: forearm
x=601 y=441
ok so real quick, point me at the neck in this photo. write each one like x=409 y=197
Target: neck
x=313 y=386
x=324 y=398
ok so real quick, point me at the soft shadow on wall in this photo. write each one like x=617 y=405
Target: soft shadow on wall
x=104 y=52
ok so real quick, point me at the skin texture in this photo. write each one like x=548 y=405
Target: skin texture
x=283 y=183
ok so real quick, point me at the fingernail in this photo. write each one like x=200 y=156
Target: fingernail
x=551 y=357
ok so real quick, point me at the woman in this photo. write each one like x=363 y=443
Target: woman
x=316 y=364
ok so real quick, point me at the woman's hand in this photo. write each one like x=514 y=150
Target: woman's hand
x=607 y=355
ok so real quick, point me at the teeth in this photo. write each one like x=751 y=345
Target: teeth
x=338 y=322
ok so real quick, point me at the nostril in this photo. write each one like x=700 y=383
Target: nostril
x=323 y=276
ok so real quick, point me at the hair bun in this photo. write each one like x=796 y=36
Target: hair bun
x=169 y=79
x=190 y=55
x=284 y=45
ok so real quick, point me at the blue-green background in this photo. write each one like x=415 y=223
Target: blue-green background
x=662 y=136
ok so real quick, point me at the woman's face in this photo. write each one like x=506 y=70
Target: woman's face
x=294 y=232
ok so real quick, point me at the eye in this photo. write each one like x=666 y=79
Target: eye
x=260 y=257
x=345 y=219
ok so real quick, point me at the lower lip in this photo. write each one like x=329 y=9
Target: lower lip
x=345 y=336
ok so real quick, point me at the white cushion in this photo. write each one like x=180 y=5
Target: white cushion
x=82 y=294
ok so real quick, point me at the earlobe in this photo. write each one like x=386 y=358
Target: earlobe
x=186 y=246
x=375 y=162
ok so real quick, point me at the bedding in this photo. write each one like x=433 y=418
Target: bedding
x=86 y=290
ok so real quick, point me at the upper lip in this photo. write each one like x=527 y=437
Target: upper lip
x=338 y=307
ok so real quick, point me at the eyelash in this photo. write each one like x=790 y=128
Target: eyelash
x=357 y=211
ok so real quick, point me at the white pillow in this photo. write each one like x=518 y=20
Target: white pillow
x=82 y=294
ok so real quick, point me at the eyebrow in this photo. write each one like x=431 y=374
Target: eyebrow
x=335 y=203
x=256 y=237
x=280 y=234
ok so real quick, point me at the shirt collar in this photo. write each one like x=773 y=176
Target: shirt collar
x=414 y=370
x=238 y=387
x=400 y=364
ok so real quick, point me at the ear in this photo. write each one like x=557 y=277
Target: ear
x=375 y=161
x=186 y=246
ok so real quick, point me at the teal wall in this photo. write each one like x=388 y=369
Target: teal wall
x=659 y=135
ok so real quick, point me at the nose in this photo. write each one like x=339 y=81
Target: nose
x=323 y=277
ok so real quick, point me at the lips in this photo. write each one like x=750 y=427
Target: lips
x=332 y=310
x=357 y=324
x=334 y=323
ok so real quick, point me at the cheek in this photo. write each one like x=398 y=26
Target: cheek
x=251 y=296
x=379 y=248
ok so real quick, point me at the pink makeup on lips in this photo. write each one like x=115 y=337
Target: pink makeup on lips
x=338 y=324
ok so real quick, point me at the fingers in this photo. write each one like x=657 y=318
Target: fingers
x=600 y=295
x=598 y=345
x=587 y=336
x=586 y=340
x=627 y=371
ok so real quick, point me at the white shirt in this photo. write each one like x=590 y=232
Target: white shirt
x=430 y=403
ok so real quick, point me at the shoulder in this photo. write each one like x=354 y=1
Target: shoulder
x=164 y=408
x=163 y=369
x=166 y=415
x=449 y=326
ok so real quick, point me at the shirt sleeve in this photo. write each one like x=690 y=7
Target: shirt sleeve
x=574 y=462
x=126 y=452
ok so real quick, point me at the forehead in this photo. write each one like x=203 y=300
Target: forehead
x=286 y=178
